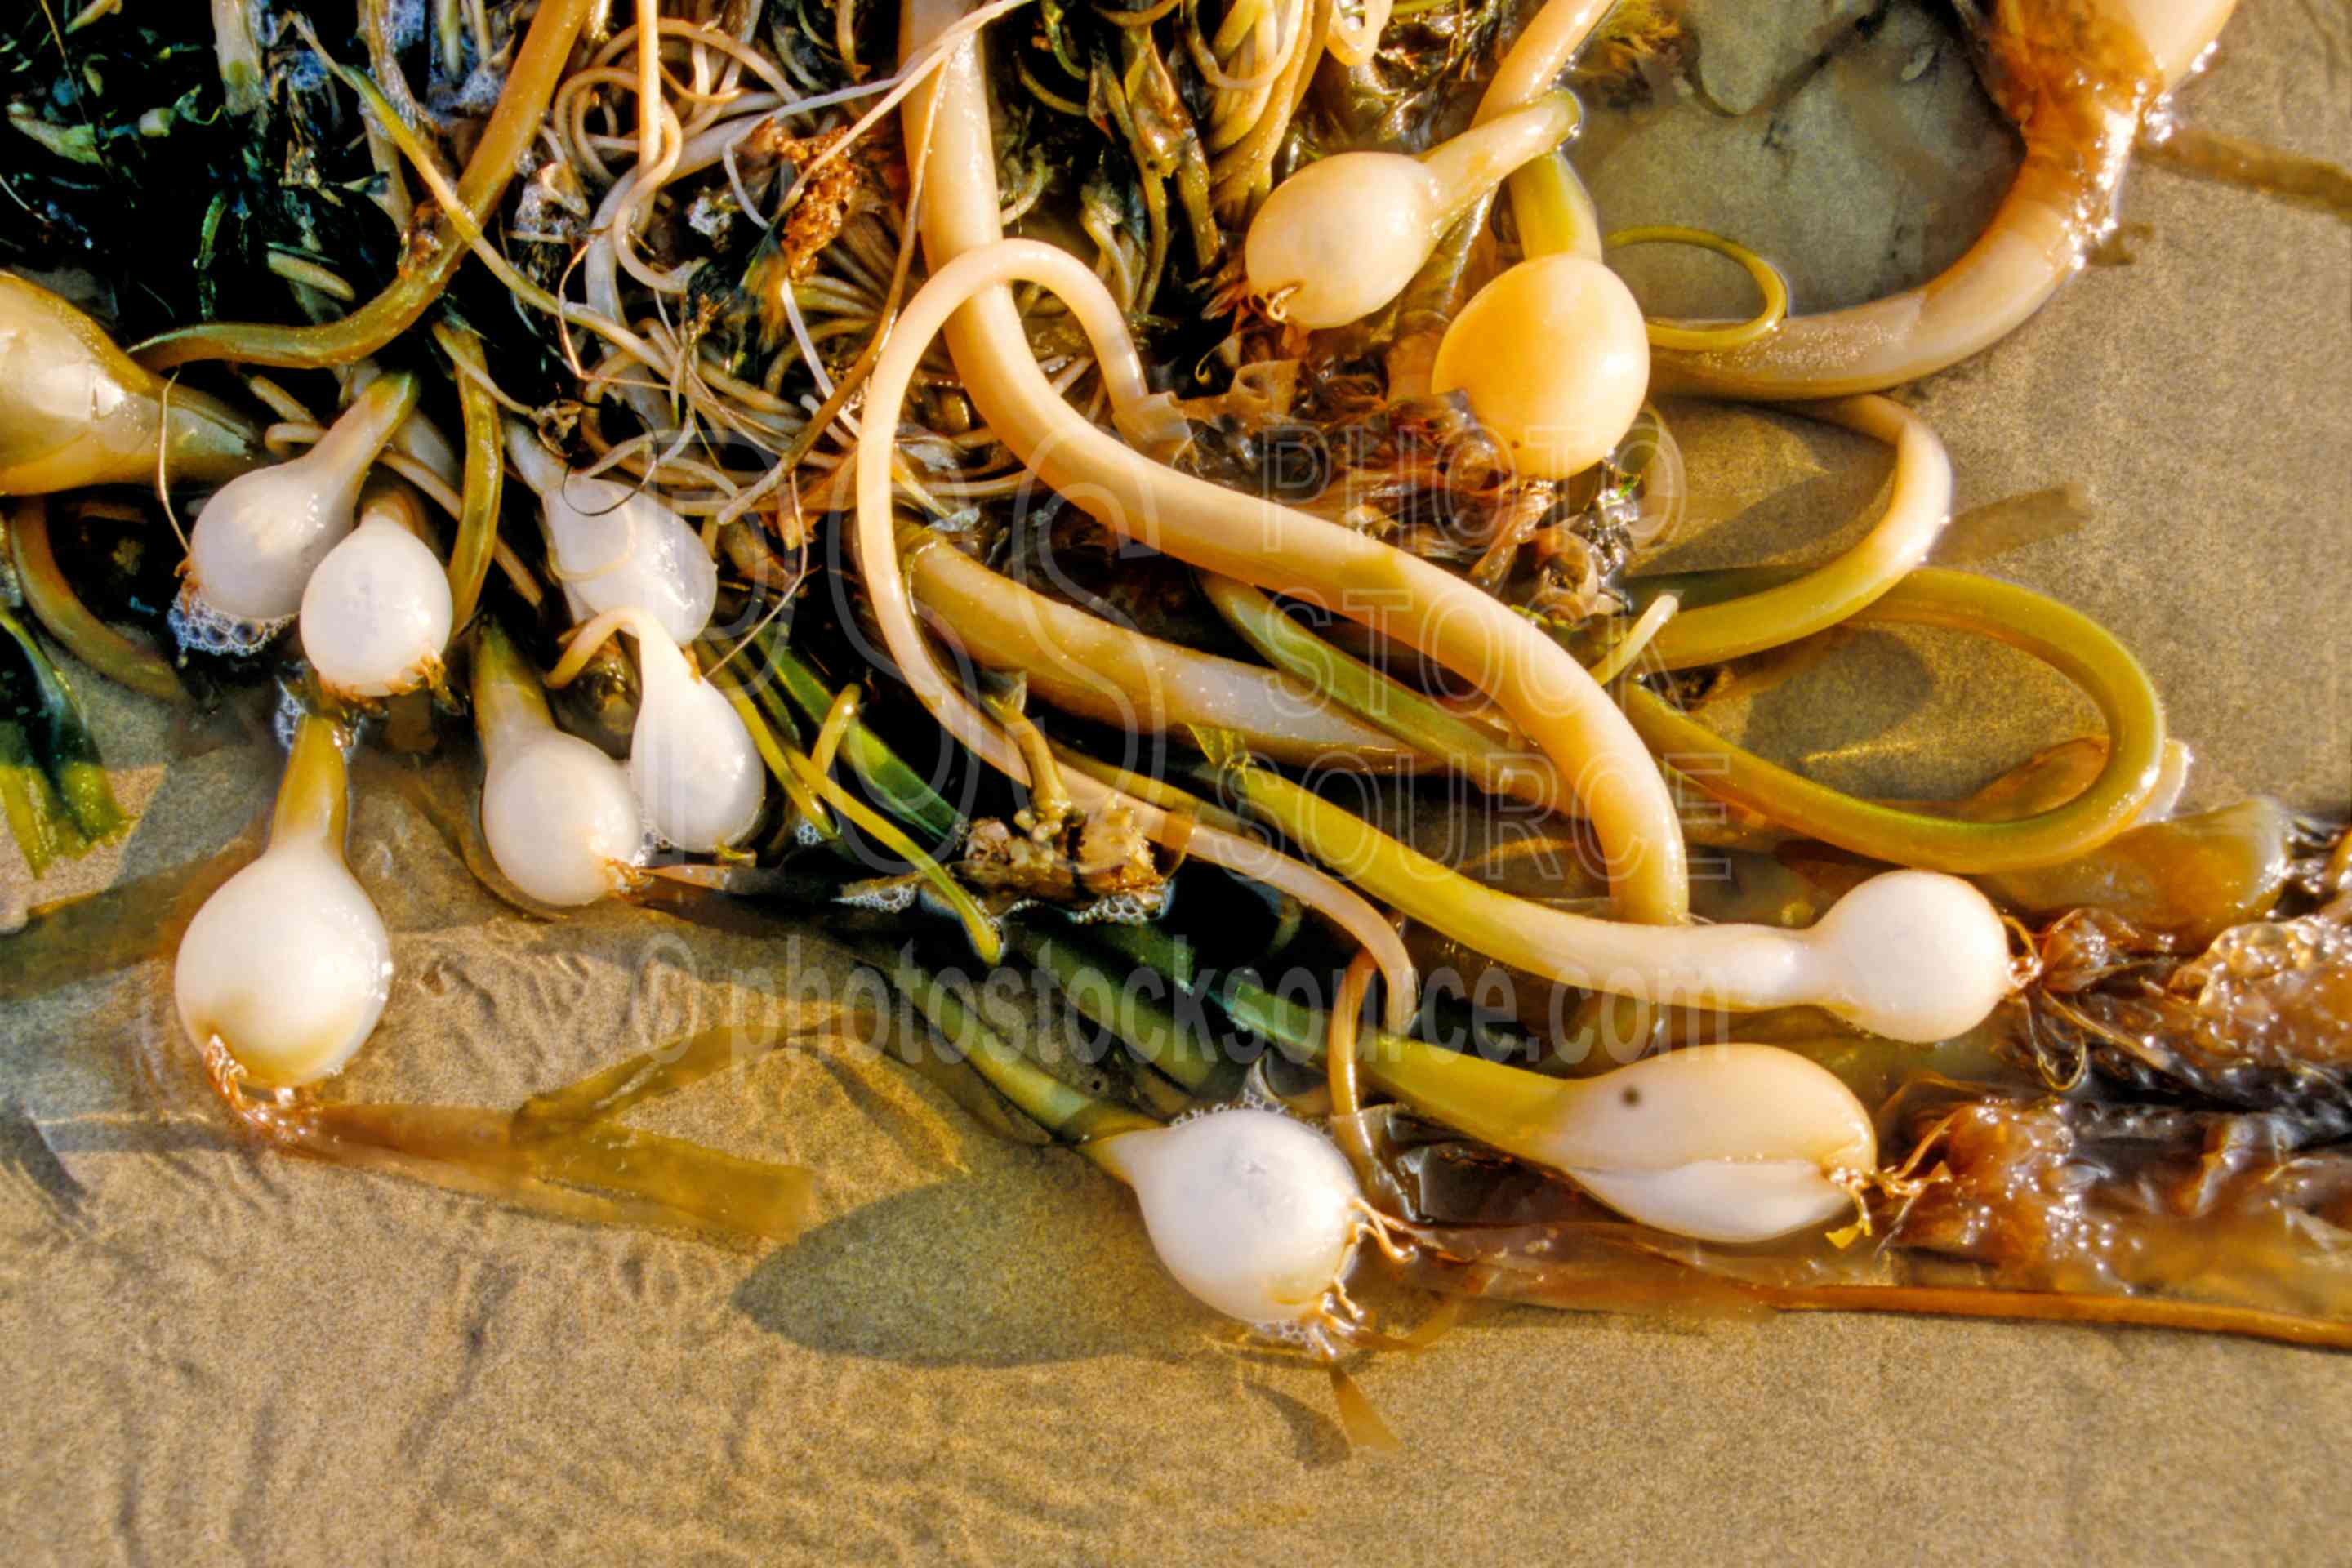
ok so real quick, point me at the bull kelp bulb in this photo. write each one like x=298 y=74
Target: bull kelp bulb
x=1731 y=1143
x=1913 y=955
x=262 y=534
x=287 y=965
x=76 y=410
x=615 y=548
x=1721 y=1143
x=696 y=771
x=1555 y=359
x=376 y=613
x=562 y=823
x=1254 y=1211
x=1343 y=235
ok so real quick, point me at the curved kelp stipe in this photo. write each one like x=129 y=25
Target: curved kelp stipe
x=2069 y=642
x=2079 y=78
x=1552 y=698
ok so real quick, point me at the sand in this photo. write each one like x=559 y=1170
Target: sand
x=212 y=1355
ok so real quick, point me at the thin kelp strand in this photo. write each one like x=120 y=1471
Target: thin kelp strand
x=935 y=51
x=774 y=753
x=837 y=723
x=1410 y=716
x=298 y=268
x=1505 y=1279
x=659 y=138
x=484 y=483
x=876 y=764
x=1151 y=1032
x=278 y=400
x=1341 y=1038
x=987 y=940
x=1242 y=173
x=750 y=58
x=1068 y=1114
x=473 y=239
x=1770 y=284
x=1130 y=20
x=1625 y=650
x=1353 y=42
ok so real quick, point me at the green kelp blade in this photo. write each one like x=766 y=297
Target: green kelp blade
x=53 y=786
x=36 y=814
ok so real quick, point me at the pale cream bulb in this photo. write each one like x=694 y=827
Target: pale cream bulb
x=289 y=964
x=1555 y=359
x=376 y=613
x=258 y=540
x=1343 y=235
x=1254 y=1213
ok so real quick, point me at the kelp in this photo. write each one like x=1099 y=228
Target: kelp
x=2004 y=1205
x=61 y=612
x=53 y=786
x=2156 y=1200
x=2191 y=878
x=564 y=1153
x=2259 y=1019
x=2009 y=1207
x=1104 y=118
x=2189 y=1043
x=1420 y=87
x=124 y=146
x=783 y=680
x=2116 y=1198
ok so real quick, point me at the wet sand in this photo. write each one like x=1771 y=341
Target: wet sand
x=215 y=1355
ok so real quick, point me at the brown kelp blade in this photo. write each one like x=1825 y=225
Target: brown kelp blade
x=2049 y=1306
x=633 y=1080
x=610 y=1174
x=83 y=937
x=1575 y=1287
x=1440 y=1322
x=582 y=1167
x=1357 y=1420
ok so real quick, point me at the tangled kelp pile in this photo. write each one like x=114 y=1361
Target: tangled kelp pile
x=646 y=313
